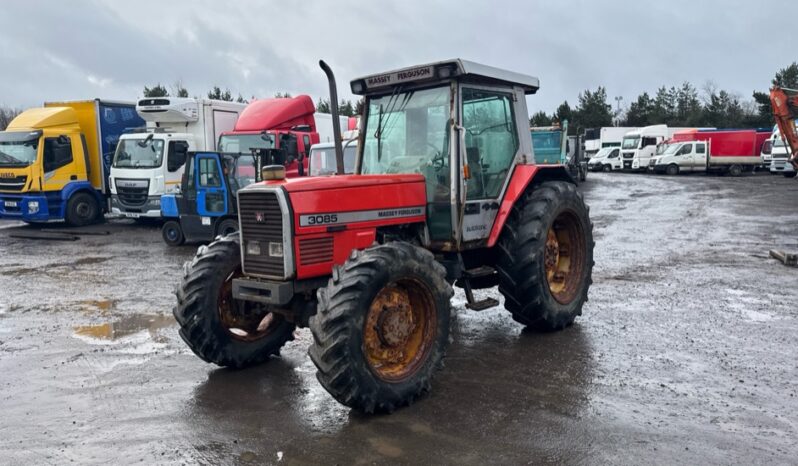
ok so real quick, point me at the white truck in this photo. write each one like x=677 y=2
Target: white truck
x=149 y=162
x=607 y=136
x=606 y=159
x=779 y=154
x=640 y=145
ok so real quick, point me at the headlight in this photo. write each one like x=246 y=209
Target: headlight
x=275 y=249
x=253 y=248
x=33 y=207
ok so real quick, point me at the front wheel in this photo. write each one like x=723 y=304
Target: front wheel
x=218 y=328
x=607 y=168
x=82 y=210
x=227 y=227
x=382 y=327
x=672 y=170
x=172 y=233
x=545 y=257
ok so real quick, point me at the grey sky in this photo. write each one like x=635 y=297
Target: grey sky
x=58 y=50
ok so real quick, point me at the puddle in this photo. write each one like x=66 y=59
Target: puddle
x=129 y=325
x=102 y=305
x=90 y=260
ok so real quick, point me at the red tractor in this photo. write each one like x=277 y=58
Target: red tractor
x=445 y=193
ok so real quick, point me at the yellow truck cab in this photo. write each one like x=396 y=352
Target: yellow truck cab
x=54 y=161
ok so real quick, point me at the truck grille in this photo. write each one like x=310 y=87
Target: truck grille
x=315 y=250
x=628 y=155
x=262 y=223
x=16 y=183
x=132 y=193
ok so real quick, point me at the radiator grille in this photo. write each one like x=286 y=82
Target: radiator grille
x=261 y=221
x=315 y=250
x=16 y=183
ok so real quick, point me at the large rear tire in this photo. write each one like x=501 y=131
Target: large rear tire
x=81 y=210
x=382 y=327
x=545 y=259
x=216 y=327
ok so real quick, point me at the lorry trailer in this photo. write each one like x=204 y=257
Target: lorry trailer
x=290 y=125
x=607 y=136
x=149 y=162
x=720 y=151
x=55 y=160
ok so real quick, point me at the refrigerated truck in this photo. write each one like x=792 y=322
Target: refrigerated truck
x=55 y=160
x=149 y=162
x=779 y=154
x=719 y=151
x=290 y=125
x=640 y=145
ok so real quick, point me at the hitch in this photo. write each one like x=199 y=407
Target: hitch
x=785 y=258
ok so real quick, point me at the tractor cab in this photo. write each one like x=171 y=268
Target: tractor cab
x=206 y=204
x=462 y=125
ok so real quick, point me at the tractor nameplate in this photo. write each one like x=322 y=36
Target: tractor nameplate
x=335 y=218
x=425 y=72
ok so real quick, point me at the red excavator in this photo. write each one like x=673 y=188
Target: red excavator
x=785 y=110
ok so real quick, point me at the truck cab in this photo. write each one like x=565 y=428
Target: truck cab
x=780 y=154
x=149 y=161
x=322 y=158
x=54 y=160
x=640 y=145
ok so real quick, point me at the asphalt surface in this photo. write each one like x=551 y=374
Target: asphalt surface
x=687 y=353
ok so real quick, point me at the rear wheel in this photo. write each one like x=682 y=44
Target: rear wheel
x=172 y=233
x=382 y=327
x=672 y=170
x=82 y=209
x=545 y=258
x=735 y=170
x=227 y=227
x=218 y=328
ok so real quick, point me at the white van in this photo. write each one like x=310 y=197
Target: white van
x=606 y=159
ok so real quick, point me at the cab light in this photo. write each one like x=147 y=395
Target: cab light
x=253 y=248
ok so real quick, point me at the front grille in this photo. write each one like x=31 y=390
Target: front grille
x=132 y=193
x=262 y=222
x=628 y=155
x=16 y=183
x=315 y=250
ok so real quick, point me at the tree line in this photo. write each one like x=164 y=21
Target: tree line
x=682 y=106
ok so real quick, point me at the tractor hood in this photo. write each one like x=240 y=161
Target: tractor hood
x=319 y=183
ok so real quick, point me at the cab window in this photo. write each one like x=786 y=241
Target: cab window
x=700 y=148
x=209 y=173
x=614 y=154
x=686 y=149
x=649 y=142
x=491 y=140
x=57 y=153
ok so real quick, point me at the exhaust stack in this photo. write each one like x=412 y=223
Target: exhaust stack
x=339 y=150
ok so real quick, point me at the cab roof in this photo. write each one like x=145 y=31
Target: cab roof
x=40 y=118
x=444 y=70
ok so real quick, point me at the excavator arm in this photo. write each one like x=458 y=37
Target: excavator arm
x=785 y=110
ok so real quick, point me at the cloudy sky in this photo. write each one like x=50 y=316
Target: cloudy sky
x=58 y=50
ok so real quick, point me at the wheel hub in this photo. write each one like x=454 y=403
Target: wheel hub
x=564 y=257
x=243 y=320
x=395 y=325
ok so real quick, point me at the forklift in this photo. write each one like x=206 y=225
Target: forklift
x=205 y=205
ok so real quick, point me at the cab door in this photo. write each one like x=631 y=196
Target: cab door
x=491 y=122
x=211 y=186
x=700 y=157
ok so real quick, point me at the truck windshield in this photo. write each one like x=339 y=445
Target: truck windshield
x=322 y=160
x=630 y=142
x=671 y=149
x=139 y=153
x=407 y=132
x=244 y=143
x=18 y=149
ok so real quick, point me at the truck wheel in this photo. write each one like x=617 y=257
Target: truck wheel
x=172 y=233
x=608 y=168
x=216 y=327
x=672 y=169
x=735 y=170
x=227 y=227
x=382 y=327
x=789 y=174
x=81 y=210
x=545 y=257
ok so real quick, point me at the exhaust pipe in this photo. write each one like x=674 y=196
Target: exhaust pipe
x=339 y=150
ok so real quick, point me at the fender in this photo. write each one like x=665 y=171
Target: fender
x=80 y=186
x=524 y=176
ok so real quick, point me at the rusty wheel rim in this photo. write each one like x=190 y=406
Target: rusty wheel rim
x=564 y=257
x=243 y=320
x=400 y=329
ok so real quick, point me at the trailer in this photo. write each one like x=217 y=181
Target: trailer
x=149 y=162
x=720 y=151
x=55 y=160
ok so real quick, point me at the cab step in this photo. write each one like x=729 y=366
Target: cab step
x=474 y=305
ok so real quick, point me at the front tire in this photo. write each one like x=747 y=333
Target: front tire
x=545 y=259
x=82 y=210
x=382 y=327
x=607 y=168
x=672 y=170
x=172 y=233
x=216 y=327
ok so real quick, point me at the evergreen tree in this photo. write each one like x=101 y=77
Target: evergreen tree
x=155 y=91
x=323 y=106
x=217 y=94
x=540 y=119
x=593 y=110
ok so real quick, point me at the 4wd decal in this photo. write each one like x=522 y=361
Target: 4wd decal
x=336 y=218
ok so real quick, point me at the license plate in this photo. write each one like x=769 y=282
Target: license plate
x=10 y=203
x=132 y=215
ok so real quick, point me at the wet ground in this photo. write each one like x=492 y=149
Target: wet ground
x=687 y=353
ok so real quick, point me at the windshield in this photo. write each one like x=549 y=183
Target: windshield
x=601 y=154
x=407 y=132
x=322 y=160
x=244 y=143
x=18 y=149
x=630 y=142
x=671 y=149
x=661 y=148
x=139 y=153
x=241 y=171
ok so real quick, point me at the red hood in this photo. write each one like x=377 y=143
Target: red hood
x=318 y=183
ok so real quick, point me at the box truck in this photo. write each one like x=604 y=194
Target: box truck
x=638 y=146
x=54 y=161
x=149 y=161
x=720 y=151
x=290 y=125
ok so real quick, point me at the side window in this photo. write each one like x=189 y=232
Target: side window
x=649 y=142
x=614 y=154
x=57 y=153
x=209 y=176
x=700 y=148
x=306 y=143
x=686 y=149
x=491 y=140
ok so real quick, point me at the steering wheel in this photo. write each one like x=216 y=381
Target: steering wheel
x=438 y=160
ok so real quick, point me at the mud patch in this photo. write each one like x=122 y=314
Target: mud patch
x=126 y=326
